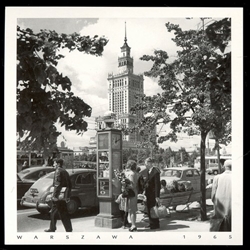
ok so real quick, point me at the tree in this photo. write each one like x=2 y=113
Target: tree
x=44 y=95
x=194 y=85
x=192 y=158
x=182 y=155
x=219 y=34
x=167 y=154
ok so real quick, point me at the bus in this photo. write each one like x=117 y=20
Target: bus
x=211 y=161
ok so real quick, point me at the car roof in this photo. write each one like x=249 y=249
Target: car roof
x=34 y=169
x=75 y=171
x=179 y=168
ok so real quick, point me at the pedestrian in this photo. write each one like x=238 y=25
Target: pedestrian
x=163 y=189
x=152 y=191
x=123 y=207
x=25 y=165
x=221 y=197
x=132 y=175
x=59 y=206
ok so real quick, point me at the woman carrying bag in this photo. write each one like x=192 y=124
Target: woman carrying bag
x=132 y=175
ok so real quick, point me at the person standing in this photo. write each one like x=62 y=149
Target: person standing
x=25 y=165
x=152 y=191
x=59 y=206
x=123 y=207
x=221 y=196
x=132 y=175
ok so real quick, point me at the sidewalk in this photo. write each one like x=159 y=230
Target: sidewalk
x=178 y=221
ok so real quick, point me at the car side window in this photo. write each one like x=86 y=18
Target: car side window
x=189 y=173
x=177 y=173
x=167 y=173
x=33 y=176
x=196 y=173
x=83 y=179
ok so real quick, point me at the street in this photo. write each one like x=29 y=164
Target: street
x=29 y=220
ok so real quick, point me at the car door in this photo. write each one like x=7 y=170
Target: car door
x=189 y=176
x=196 y=179
x=85 y=189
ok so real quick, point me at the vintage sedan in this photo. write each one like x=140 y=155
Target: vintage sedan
x=215 y=170
x=182 y=174
x=83 y=193
x=27 y=177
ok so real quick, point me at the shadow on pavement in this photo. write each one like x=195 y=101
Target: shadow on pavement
x=78 y=214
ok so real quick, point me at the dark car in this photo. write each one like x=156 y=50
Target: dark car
x=27 y=177
x=83 y=193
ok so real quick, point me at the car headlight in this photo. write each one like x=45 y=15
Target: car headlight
x=48 y=198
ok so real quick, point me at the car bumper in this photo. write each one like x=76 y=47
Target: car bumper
x=37 y=205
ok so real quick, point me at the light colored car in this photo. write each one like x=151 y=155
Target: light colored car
x=27 y=177
x=182 y=174
x=83 y=193
x=215 y=170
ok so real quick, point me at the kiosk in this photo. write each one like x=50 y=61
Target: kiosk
x=109 y=158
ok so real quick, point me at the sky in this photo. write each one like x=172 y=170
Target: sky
x=89 y=73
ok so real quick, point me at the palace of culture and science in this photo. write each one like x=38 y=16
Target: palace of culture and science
x=125 y=90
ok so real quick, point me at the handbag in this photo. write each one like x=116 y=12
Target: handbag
x=128 y=193
x=158 y=212
x=64 y=194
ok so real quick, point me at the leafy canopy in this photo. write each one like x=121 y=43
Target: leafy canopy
x=44 y=95
x=196 y=86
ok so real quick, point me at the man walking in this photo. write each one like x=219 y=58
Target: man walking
x=152 y=191
x=59 y=207
x=221 y=197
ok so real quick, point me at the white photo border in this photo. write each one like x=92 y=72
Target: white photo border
x=159 y=238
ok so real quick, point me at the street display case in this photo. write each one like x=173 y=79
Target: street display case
x=109 y=158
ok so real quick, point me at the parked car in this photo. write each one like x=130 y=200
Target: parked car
x=182 y=174
x=83 y=193
x=215 y=170
x=27 y=177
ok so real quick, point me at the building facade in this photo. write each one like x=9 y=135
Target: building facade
x=125 y=89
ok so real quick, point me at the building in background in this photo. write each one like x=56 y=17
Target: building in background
x=125 y=89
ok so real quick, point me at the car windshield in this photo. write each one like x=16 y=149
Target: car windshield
x=172 y=173
x=24 y=172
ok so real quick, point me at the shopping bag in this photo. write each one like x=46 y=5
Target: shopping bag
x=162 y=211
x=153 y=212
x=159 y=212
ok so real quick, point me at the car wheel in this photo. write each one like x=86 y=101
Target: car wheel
x=215 y=172
x=72 y=206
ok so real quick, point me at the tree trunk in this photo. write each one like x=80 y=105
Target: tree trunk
x=203 y=176
x=218 y=154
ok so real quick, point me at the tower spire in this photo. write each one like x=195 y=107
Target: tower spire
x=125 y=39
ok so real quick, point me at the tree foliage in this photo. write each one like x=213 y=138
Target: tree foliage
x=196 y=86
x=44 y=95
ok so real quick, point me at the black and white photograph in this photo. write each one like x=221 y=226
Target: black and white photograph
x=122 y=125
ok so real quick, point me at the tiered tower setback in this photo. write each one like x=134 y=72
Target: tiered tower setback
x=125 y=90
